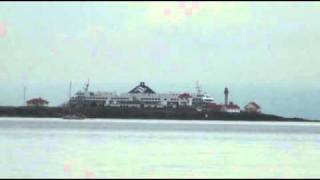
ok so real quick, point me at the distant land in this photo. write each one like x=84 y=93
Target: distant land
x=142 y=102
x=146 y=113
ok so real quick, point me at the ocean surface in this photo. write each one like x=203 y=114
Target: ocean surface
x=100 y=148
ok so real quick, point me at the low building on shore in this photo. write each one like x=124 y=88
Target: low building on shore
x=252 y=107
x=231 y=108
x=37 y=102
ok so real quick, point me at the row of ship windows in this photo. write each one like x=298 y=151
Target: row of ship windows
x=145 y=102
x=151 y=99
x=143 y=99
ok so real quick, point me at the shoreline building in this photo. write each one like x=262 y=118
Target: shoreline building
x=252 y=107
x=37 y=102
x=229 y=107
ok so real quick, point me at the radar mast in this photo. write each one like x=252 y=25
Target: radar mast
x=86 y=88
x=198 y=88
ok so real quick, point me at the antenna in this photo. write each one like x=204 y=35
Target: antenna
x=70 y=86
x=24 y=95
x=198 y=88
x=87 y=86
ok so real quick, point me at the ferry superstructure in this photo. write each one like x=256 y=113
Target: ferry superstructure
x=140 y=96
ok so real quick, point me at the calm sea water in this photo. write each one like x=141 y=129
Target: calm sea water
x=96 y=148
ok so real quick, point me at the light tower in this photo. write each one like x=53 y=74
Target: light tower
x=226 y=94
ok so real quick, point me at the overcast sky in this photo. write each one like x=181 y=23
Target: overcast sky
x=237 y=44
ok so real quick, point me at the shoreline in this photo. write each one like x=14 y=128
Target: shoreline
x=186 y=114
x=169 y=120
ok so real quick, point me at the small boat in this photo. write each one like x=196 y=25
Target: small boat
x=74 y=116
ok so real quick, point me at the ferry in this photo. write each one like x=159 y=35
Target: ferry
x=141 y=96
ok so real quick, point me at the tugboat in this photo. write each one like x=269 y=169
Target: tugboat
x=70 y=115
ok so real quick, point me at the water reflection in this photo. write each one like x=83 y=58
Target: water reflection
x=58 y=151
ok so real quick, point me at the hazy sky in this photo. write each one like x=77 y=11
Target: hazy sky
x=237 y=44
